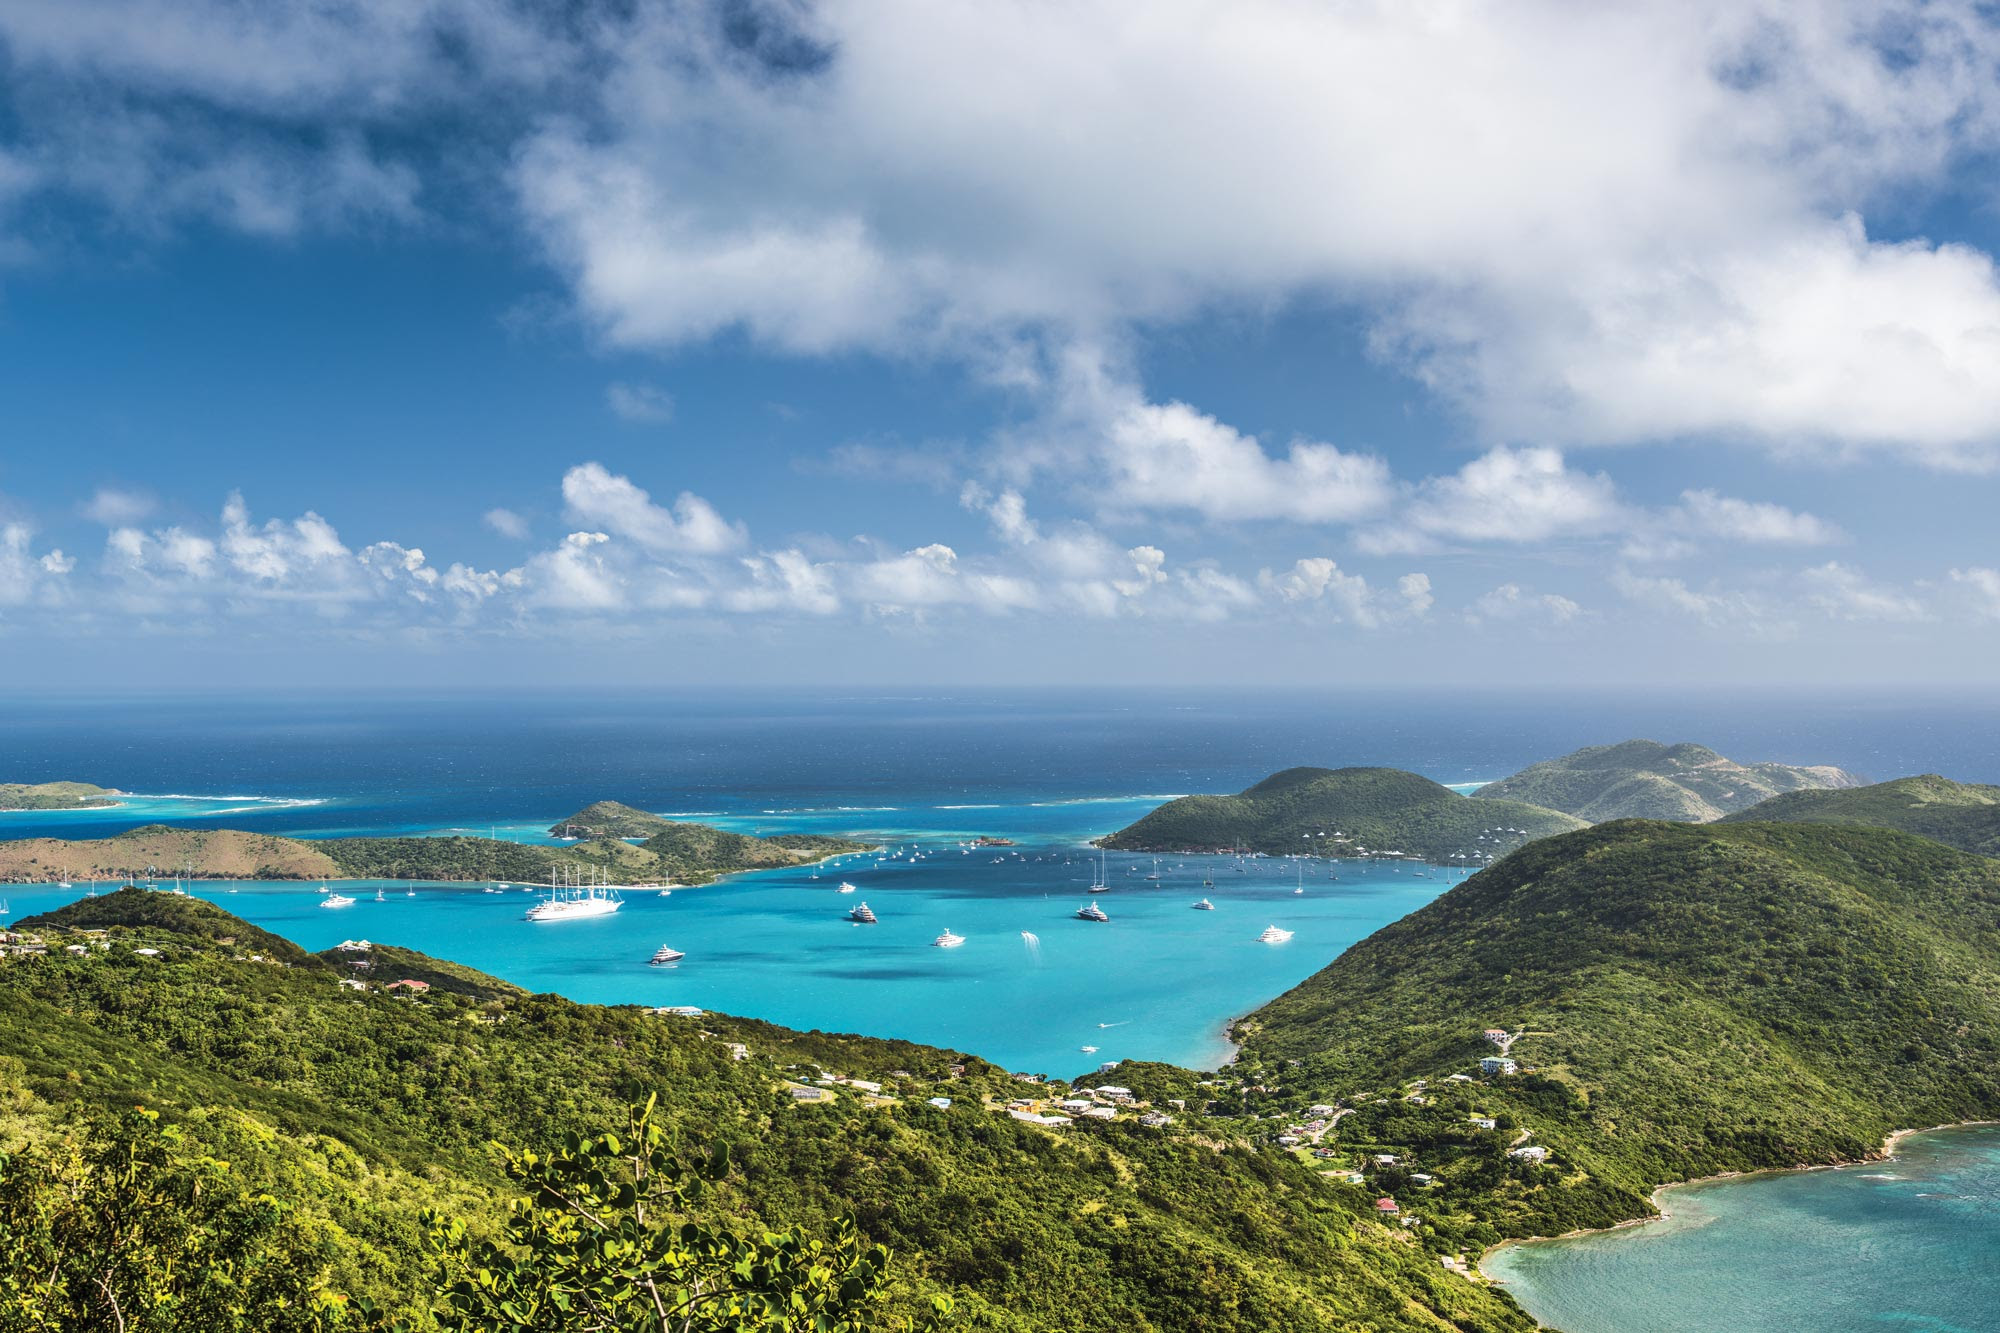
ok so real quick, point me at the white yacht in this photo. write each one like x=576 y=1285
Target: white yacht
x=1204 y=906
x=1272 y=935
x=860 y=913
x=948 y=940
x=1091 y=912
x=845 y=887
x=336 y=900
x=667 y=954
x=573 y=903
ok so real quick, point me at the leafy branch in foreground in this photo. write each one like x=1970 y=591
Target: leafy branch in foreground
x=603 y=1241
x=119 y=1229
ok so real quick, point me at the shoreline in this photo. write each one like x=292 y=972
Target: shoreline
x=1893 y=1140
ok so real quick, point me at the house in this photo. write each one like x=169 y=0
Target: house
x=349 y=983
x=1074 y=1105
x=1421 y=1178
x=1532 y=1153
x=1498 y=1036
x=1102 y=1113
x=1319 y=1112
x=942 y=1103
x=1154 y=1120
x=1459 y=1078
x=1483 y=1122
x=1288 y=1140
x=1108 y=1066
x=414 y=987
x=1111 y=1092
x=1324 y=1154
x=1031 y=1118
x=680 y=1011
x=354 y=946
x=1026 y=1078
x=147 y=953
x=1385 y=1159
x=78 y=949
x=860 y=1084
x=801 y=1093
x=1386 y=1206
x=1496 y=1064
x=737 y=1050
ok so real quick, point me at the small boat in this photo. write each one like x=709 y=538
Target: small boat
x=1088 y=1050
x=1204 y=906
x=859 y=912
x=845 y=887
x=64 y=884
x=1091 y=912
x=1272 y=935
x=336 y=900
x=667 y=953
x=948 y=940
x=410 y=892
x=378 y=896
x=4 y=909
x=323 y=888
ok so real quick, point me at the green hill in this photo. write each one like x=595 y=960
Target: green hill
x=1957 y=814
x=1687 y=999
x=609 y=819
x=55 y=796
x=1648 y=780
x=1348 y=811
x=358 y=1108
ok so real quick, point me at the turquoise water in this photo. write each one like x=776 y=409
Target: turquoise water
x=1912 y=1243
x=1157 y=981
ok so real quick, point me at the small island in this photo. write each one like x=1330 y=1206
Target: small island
x=676 y=852
x=1958 y=814
x=56 y=796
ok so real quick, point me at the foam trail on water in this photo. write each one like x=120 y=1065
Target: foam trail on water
x=1034 y=943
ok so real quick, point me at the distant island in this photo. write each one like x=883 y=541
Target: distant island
x=686 y=853
x=56 y=796
x=1344 y=812
x=1648 y=780
x=1957 y=814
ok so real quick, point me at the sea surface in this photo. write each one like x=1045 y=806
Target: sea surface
x=922 y=773
x=1910 y=1243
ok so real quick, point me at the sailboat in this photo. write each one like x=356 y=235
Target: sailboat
x=1102 y=885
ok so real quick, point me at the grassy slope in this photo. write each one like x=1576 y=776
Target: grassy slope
x=1647 y=780
x=1383 y=809
x=54 y=796
x=362 y=1107
x=1957 y=814
x=1695 y=999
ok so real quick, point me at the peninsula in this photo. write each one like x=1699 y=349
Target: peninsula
x=1640 y=1003
x=1344 y=812
x=1648 y=780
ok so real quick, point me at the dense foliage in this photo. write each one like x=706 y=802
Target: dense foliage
x=1685 y=1000
x=1341 y=812
x=1957 y=814
x=363 y=1110
x=1648 y=780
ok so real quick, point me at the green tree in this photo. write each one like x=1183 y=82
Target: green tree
x=117 y=1228
x=604 y=1240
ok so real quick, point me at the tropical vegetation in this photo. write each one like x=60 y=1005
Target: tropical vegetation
x=1648 y=780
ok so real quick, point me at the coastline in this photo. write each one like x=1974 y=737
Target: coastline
x=1662 y=1213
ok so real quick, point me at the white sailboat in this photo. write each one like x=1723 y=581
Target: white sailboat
x=1102 y=884
x=570 y=898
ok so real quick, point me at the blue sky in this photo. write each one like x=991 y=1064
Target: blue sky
x=880 y=343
